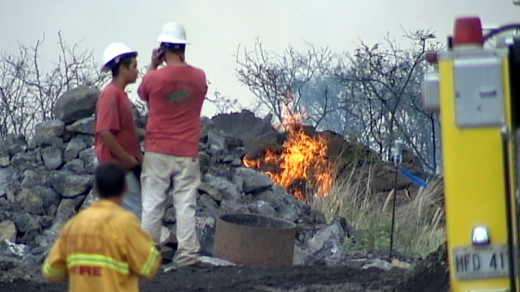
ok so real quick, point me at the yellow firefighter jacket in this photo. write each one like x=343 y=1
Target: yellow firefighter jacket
x=102 y=248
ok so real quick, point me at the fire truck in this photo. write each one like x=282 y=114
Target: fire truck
x=476 y=89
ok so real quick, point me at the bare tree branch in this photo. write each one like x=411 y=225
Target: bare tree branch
x=28 y=93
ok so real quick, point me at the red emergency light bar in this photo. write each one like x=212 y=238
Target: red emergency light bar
x=468 y=31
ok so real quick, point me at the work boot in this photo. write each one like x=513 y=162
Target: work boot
x=197 y=265
x=168 y=249
x=192 y=261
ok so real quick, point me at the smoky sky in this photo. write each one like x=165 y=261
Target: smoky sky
x=217 y=28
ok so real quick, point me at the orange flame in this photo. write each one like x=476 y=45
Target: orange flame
x=303 y=160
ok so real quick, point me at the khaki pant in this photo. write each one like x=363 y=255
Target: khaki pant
x=179 y=176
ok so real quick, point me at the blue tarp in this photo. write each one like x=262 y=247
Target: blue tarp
x=412 y=177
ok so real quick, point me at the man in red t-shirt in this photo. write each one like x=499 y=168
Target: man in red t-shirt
x=116 y=136
x=174 y=95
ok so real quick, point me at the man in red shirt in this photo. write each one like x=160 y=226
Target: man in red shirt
x=174 y=95
x=116 y=136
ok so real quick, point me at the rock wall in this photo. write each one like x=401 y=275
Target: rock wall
x=47 y=178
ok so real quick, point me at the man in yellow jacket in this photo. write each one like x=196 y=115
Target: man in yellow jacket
x=103 y=248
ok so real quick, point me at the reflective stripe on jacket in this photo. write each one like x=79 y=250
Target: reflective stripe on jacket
x=103 y=248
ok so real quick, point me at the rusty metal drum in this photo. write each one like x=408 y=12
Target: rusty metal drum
x=257 y=240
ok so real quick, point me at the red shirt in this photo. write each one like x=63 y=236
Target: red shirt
x=114 y=113
x=174 y=96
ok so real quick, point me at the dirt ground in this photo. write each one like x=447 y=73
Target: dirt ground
x=235 y=279
x=291 y=278
x=428 y=275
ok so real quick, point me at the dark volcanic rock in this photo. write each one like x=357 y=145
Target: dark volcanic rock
x=4 y=160
x=327 y=242
x=430 y=275
x=257 y=134
x=254 y=181
x=85 y=126
x=74 y=147
x=76 y=166
x=7 y=231
x=211 y=191
x=6 y=175
x=262 y=208
x=88 y=156
x=68 y=184
x=44 y=140
x=35 y=177
x=50 y=127
x=24 y=160
x=26 y=222
x=76 y=104
x=384 y=176
x=52 y=157
x=13 y=144
x=228 y=190
x=30 y=201
x=228 y=206
x=49 y=197
x=206 y=206
x=66 y=210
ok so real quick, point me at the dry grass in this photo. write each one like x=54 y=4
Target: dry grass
x=419 y=225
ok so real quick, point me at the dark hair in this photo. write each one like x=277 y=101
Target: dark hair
x=173 y=48
x=110 y=179
x=124 y=60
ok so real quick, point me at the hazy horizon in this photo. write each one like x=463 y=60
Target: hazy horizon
x=216 y=28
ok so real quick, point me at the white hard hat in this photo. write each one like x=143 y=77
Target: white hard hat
x=113 y=52
x=173 y=33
